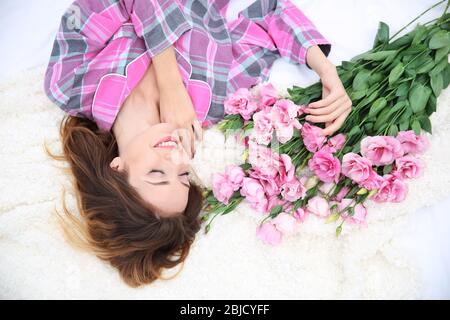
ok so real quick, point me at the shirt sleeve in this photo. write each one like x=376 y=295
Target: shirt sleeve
x=84 y=32
x=292 y=32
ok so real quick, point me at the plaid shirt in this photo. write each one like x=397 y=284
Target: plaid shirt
x=104 y=47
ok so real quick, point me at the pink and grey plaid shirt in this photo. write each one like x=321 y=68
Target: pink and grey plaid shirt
x=104 y=47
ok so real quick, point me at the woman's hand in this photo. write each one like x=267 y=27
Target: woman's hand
x=335 y=105
x=175 y=106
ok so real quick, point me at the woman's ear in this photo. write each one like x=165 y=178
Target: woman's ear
x=117 y=164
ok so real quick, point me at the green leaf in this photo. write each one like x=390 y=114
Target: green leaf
x=382 y=118
x=425 y=66
x=404 y=125
x=418 y=98
x=437 y=83
x=230 y=208
x=356 y=148
x=425 y=123
x=355 y=130
x=441 y=53
x=431 y=105
x=400 y=42
x=420 y=33
x=415 y=125
x=393 y=59
x=407 y=114
x=446 y=76
x=440 y=66
x=396 y=73
x=361 y=80
x=377 y=106
x=346 y=77
x=402 y=89
x=380 y=55
x=368 y=126
x=369 y=99
x=440 y=39
x=276 y=210
x=357 y=95
x=387 y=169
x=382 y=36
x=398 y=106
x=347 y=65
x=393 y=130
x=376 y=77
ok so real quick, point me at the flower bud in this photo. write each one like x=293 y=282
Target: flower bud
x=362 y=191
x=372 y=193
x=311 y=182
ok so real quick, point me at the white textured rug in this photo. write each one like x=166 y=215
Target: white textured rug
x=229 y=262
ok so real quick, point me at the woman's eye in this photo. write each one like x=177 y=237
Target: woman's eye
x=156 y=173
x=185 y=174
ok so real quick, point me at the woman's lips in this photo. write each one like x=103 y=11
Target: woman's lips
x=167 y=142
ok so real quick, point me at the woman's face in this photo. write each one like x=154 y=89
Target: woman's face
x=158 y=168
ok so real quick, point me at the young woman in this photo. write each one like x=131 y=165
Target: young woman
x=131 y=74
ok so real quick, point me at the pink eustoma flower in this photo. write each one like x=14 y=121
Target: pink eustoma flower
x=355 y=167
x=312 y=138
x=374 y=181
x=412 y=143
x=336 y=143
x=222 y=188
x=235 y=176
x=301 y=214
x=381 y=150
x=359 y=212
x=268 y=95
x=285 y=223
x=318 y=206
x=269 y=234
x=325 y=166
x=263 y=128
x=254 y=193
x=293 y=190
x=392 y=189
x=241 y=102
x=284 y=118
x=408 y=167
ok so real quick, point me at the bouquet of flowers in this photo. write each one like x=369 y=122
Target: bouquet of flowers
x=290 y=170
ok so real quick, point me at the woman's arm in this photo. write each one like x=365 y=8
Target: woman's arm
x=175 y=104
x=298 y=40
x=167 y=70
x=86 y=30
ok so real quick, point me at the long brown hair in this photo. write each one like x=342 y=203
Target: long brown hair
x=116 y=224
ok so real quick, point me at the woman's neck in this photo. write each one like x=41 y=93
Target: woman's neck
x=136 y=115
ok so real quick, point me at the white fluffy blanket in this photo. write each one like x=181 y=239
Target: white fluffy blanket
x=399 y=255
x=229 y=262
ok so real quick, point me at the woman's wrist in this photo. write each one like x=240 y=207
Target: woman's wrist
x=318 y=61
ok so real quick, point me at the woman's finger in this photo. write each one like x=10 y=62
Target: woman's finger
x=329 y=109
x=198 y=130
x=336 y=124
x=185 y=139
x=333 y=96
x=332 y=116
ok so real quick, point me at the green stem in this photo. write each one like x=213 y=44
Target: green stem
x=418 y=17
